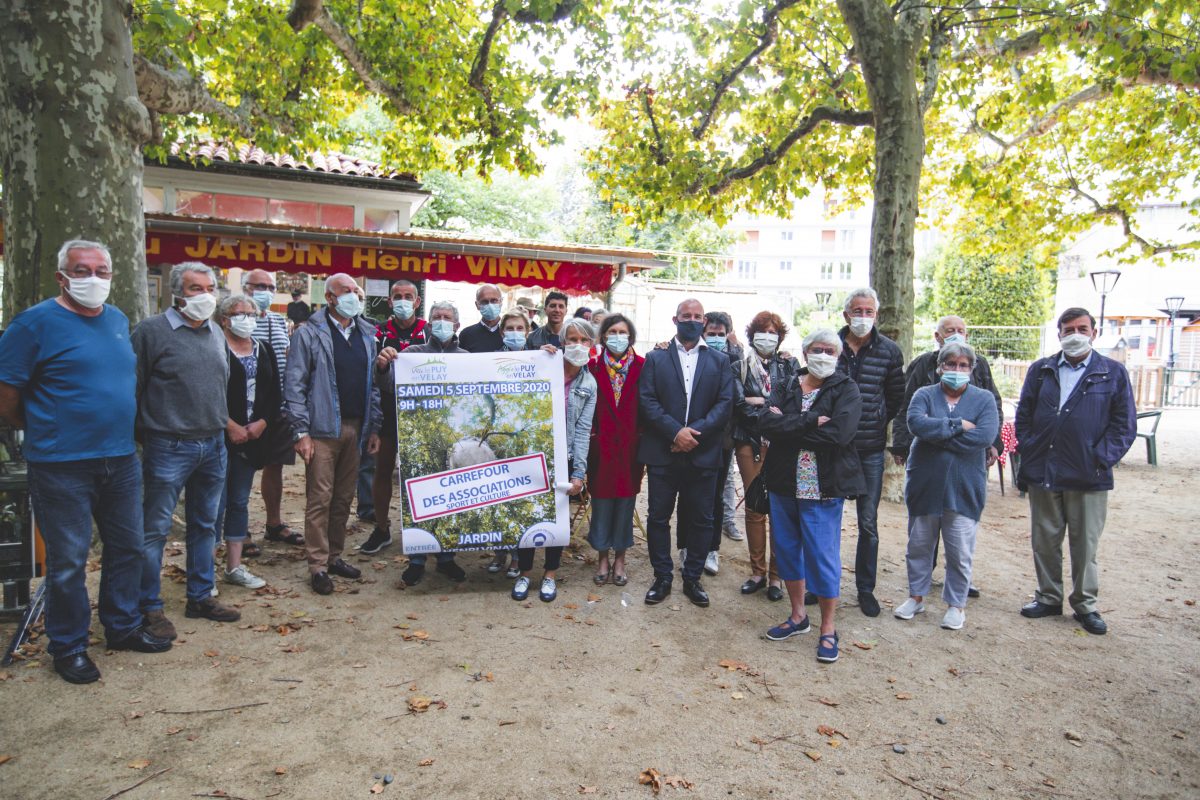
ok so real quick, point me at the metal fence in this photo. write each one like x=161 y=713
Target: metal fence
x=995 y=342
x=1181 y=388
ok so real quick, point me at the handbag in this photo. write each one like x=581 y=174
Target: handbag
x=756 y=496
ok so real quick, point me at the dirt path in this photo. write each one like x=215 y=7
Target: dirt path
x=553 y=700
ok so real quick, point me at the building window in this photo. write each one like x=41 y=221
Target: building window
x=785 y=266
x=787 y=236
x=845 y=271
x=847 y=239
x=747 y=270
x=828 y=240
x=827 y=271
x=382 y=220
x=751 y=240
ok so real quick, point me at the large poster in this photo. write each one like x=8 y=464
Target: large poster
x=481 y=445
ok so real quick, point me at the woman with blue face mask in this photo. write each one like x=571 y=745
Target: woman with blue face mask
x=614 y=473
x=953 y=423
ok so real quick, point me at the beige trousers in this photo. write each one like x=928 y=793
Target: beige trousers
x=1079 y=515
x=330 y=478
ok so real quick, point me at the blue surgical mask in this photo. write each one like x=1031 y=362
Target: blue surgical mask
x=490 y=312
x=954 y=338
x=443 y=329
x=514 y=340
x=955 y=380
x=263 y=298
x=349 y=305
x=402 y=309
x=716 y=342
x=617 y=343
x=689 y=330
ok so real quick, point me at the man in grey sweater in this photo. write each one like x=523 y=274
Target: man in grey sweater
x=182 y=372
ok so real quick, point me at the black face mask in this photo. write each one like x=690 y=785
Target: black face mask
x=689 y=330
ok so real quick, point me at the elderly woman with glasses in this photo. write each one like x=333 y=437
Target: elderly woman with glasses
x=810 y=469
x=953 y=424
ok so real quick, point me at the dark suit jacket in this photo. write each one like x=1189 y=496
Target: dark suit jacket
x=664 y=406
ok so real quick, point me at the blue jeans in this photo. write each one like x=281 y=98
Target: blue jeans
x=806 y=537
x=233 y=515
x=66 y=497
x=419 y=559
x=866 y=559
x=366 y=481
x=171 y=466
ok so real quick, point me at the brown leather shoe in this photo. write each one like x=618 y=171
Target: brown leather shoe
x=343 y=570
x=157 y=624
x=211 y=609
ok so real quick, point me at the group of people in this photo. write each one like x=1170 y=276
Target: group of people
x=217 y=392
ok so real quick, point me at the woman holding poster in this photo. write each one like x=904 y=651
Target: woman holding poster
x=579 y=387
x=615 y=476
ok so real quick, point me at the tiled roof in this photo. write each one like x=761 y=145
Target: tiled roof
x=333 y=163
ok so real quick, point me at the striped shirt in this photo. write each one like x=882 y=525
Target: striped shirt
x=271 y=330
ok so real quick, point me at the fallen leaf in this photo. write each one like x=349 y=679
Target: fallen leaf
x=5 y=676
x=834 y=742
x=281 y=770
x=864 y=645
x=1049 y=782
x=5 y=759
x=489 y=677
x=141 y=763
x=418 y=704
x=954 y=671
x=377 y=789
x=652 y=778
x=903 y=696
x=813 y=754
x=425 y=762
x=173 y=731
x=507 y=722
x=212 y=653
x=411 y=616
x=571 y=606
x=825 y=701
x=261 y=628
x=594 y=598
x=731 y=665
x=1072 y=736
x=587 y=789
x=738 y=696
x=420 y=635
x=136 y=715
x=677 y=782
x=1189 y=602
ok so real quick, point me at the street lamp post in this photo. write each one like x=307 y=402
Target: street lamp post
x=823 y=300
x=1173 y=305
x=1104 y=281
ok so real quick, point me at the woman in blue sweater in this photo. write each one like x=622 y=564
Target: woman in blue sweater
x=953 y=424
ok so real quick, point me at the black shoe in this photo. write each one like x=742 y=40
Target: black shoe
x=751 y=586
x=322 y=583
x=413 y=574
x=343 y=570
x=1092 y=623
x=810 y=599
x=141 y=641
x=972 y=592
x=693 y=591
x=658 y=591
x=868 y=604
x=452 y=570
x=378 y=540
x=78 y=668
x=774 y=593
x=1038 y=609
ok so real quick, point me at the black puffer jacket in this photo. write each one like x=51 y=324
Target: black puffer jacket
x=839 y=471
x=878 y=369
x=746 y=384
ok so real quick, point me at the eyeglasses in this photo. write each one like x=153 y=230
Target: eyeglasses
x=270 y=287
x=82 y=273
x=829 y=351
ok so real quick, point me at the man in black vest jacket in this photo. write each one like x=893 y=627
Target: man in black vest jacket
x=686 y=394
x=876 y=364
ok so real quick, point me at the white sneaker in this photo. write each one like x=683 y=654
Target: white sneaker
x=954 y=619
x=214 y=591
x=682 y=555
x=734 y=534
x=240 y=576
x=712 y=562
x=909 y=608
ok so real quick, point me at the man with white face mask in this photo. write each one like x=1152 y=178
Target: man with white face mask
x=876 y=364
x=484 y=336
x=182 y=376
x=332 y=401
x=1075 y=421
x=67 y=377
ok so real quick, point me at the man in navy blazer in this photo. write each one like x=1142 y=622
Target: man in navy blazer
x=686 y=394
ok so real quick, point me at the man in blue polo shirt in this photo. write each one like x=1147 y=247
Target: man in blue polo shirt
x=67 y=376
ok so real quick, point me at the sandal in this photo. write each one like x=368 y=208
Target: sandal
x=620 y=580
x=250 y=549
x=600 y=578
x=275 y=533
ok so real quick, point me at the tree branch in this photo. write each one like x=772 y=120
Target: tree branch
x=479 y=67
x=1045 y=123
x=806 y=126
x=1114 y=211
x=660 y=152
x=932 y=66
x=770 y=32
x=164 y=91
x=303 y=13
x=348 y=47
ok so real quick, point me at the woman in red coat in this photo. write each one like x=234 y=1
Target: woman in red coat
x=614 y=474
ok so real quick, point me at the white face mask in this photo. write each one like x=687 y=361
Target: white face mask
x=861 y=326
x=349 y=305
x=242 y=325
x=821 y=365
x=89 y=292
x=199 y=307
x=577 y=354
x=1076 y=344
x=766 y=343
x=954 y=338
